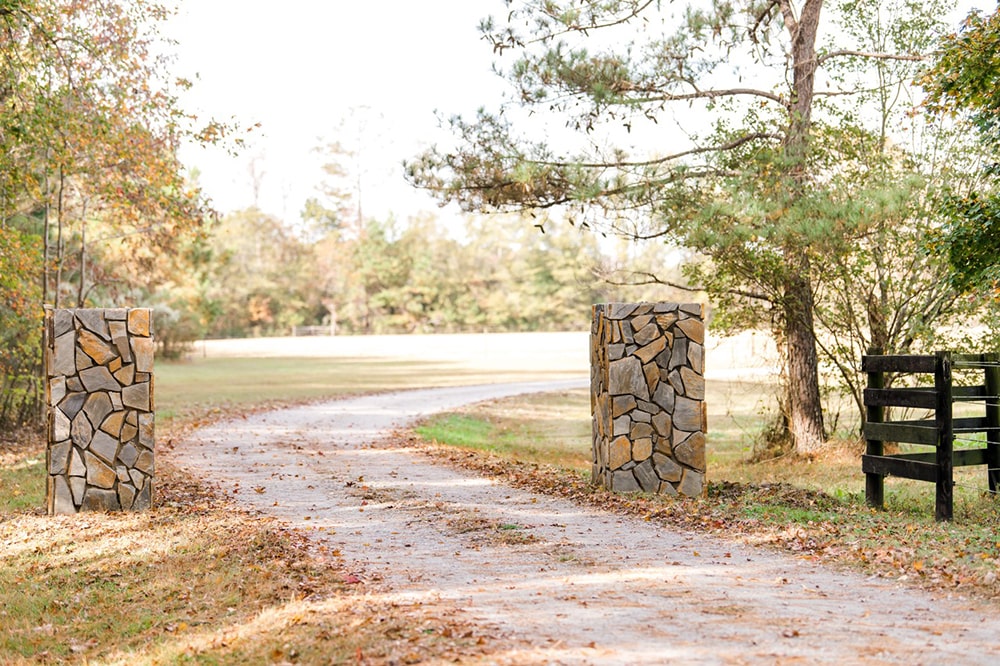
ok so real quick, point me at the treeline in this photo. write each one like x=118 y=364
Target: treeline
x=96 y=210
x=259 y=275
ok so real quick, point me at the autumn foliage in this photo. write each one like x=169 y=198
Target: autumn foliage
x=91 y=190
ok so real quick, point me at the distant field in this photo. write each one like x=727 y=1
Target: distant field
x=222 y=373
x=201 y=384
x=748 y=355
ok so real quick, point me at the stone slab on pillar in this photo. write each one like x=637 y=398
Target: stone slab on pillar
x=647 y=382
x=99 y=397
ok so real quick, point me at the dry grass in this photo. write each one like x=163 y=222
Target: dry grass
x=205 y=386
x=196 y=580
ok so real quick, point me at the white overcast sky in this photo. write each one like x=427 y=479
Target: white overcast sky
x=300 y=66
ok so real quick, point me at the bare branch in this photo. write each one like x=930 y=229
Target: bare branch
x=647 y=278
x=712 y=94
x=916 y=57
x=732 y=145
x=764 y=15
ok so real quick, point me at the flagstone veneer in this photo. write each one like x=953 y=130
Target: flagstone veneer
x=99 y=366
x=647 y=367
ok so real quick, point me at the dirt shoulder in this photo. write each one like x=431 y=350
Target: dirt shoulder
x=555 y=581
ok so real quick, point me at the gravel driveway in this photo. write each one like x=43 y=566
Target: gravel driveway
x=559 y=582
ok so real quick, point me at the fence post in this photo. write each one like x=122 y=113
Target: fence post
x=946 y=438
x=874 y=483
x=992 y=371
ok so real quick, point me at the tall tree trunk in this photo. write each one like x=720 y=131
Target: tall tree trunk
x=81 y=291
x=805 y=409
x=805 y=418
x=45 y=233
x=56 y=290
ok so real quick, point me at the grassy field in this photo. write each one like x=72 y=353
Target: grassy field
x=209 y=385
x=555 y=429
x=198 y=581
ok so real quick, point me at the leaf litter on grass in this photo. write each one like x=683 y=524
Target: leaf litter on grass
x=198 y=578
x=913 y=549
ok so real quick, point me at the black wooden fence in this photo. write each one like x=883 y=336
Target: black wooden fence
x=939 y=432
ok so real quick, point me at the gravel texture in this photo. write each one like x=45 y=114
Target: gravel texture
x=557 y=582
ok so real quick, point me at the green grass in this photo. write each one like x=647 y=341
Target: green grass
x=546 y=428
x=461 y=430
x=22 y=485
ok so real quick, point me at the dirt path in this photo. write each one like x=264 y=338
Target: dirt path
x=564 y=583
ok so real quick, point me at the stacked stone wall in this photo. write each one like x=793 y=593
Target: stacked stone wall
x=99 y=366
x=648 y=397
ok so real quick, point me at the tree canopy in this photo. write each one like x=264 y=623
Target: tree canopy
x=89 y=133
x=964 y=83
x=758 y=133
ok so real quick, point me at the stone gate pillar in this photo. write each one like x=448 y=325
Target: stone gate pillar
x=647 y=366
x=99 y=396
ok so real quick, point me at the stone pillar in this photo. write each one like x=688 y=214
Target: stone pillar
x=99 y=393
x=647 y=382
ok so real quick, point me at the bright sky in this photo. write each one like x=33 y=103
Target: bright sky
x=300 y=66
x=300 y=69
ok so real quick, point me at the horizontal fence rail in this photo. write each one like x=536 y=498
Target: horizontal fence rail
x=938 y=431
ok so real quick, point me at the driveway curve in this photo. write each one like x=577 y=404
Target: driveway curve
x=568 y=584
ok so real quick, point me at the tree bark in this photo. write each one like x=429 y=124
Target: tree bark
x=805 y=418
x=805 y=408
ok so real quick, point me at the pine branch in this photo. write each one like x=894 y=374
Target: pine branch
x=507 y=39
x=634 y=13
